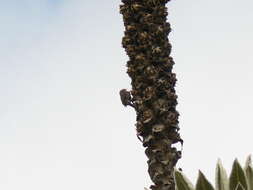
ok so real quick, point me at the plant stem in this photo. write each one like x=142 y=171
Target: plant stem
x=153 y=86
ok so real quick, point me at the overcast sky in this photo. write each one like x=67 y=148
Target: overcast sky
x=62 y=125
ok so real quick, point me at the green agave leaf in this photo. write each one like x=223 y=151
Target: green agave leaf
x=248 y=161
x=203 y=183
x=221 y=178
x=182 y=182
x=249 y=172
x=239 y=187
x=237 y=176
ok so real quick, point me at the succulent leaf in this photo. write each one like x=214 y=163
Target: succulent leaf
x=182 y=182
x=239 y=179
x=237 y=176
x=203 y=183
x=239 y=187
x=249 y=172
x=221 y=178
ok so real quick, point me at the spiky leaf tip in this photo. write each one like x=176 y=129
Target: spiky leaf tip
x=203 y=183
x=248 y=169
x=182 y=182
x=237 y=176
x=221 y=178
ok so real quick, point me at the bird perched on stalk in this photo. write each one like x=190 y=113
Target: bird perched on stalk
x=125 y=97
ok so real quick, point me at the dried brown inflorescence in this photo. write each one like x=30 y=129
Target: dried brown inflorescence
x=153 y=86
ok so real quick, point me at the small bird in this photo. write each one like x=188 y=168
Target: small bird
x=126 y=98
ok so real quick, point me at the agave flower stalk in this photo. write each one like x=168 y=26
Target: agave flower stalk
x=153 y=94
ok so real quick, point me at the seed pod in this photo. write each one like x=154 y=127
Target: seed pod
x=147 y=116
x=147 y=139
x=149 y=93
x=136 y=7
x=158 y=128
x=131 y=27
x=143 y=36
x=156 y=50
x=140 y=57
x=148 y=18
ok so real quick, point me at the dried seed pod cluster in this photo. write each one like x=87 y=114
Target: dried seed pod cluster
x=153 y=85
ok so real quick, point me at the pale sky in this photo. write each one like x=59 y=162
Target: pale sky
x=62 y=125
